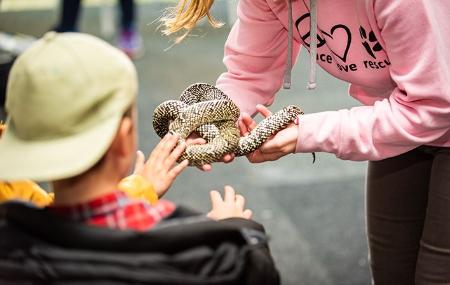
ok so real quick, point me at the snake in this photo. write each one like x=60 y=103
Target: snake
x=205 y=109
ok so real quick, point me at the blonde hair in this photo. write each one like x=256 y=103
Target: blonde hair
x=186 y=15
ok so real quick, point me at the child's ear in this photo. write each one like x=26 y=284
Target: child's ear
x=124 y=142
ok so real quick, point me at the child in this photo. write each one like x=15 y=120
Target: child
x=72 y=120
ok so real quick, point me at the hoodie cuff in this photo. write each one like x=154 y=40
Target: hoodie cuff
x=318 y=132
x=313 y=136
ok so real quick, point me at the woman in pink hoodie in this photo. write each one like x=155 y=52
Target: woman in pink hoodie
x=395 y=55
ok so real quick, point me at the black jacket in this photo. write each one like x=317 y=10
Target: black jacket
x=37 y=247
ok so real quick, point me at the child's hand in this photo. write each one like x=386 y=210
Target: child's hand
x=232 y=206
x=161 y=168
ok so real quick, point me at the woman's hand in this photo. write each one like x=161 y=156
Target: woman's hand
x=231 y=206
x=161 y=168
x=279 y=145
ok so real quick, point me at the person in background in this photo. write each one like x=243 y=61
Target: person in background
x=394 y=54
x=129 y=39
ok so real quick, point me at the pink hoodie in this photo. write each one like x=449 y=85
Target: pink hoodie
x=394 y=53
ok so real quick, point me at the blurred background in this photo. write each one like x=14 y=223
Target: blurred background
x=313 y=213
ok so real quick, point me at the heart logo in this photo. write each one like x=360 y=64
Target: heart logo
x=337 y=32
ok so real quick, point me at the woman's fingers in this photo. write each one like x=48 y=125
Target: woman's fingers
x=191 y=141
x=229 y=157
x=205 y=167
x=246 y=124
x=248 y=121
x=270 y=146
x=258 y=156
x=263 y=110
x=243 y=130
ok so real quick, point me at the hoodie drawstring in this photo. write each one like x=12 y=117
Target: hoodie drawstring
x=287 y=71
x=313 y=47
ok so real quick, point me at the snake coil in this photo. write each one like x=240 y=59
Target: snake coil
x=208 y=111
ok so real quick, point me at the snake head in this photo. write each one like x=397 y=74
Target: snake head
x=293 y=109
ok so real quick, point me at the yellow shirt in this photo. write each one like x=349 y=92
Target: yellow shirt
x=135 y=186
x=25 y=190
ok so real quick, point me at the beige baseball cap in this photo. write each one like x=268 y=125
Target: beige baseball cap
x=66 y=96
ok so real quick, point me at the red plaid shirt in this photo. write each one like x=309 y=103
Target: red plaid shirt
x=117 y=211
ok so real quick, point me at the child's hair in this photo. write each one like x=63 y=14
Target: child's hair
x=186 y=15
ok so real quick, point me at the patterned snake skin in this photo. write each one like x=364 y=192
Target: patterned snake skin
x=207 y=110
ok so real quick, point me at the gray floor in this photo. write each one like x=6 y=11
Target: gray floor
x=314 y=213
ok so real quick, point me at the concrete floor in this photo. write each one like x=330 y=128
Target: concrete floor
x=314 y=213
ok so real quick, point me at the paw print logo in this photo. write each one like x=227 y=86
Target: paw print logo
x=370 y=42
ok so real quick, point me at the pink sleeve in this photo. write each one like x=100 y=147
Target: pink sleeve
x=416 y=37
x=255 y=56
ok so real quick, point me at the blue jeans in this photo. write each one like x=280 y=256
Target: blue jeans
x=70 y=10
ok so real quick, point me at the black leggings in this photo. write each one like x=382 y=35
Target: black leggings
x=70 y=10
x=408 y=217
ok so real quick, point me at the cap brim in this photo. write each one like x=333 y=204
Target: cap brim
x=48 y=160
